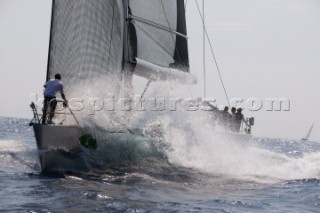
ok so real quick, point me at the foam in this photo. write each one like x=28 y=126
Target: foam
x=216 y=154
x=190 y=141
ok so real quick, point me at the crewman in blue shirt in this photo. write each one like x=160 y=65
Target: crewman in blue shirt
x=52 y=87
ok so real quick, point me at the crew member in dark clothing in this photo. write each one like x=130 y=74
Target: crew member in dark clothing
x=233 y=110
x=225 y=117
x=233 y=125
x=238 y=118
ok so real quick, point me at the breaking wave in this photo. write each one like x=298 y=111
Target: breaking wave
x=16 y=156
x=187 y=139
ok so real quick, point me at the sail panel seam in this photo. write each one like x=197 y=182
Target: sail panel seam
x=111 y=34
x=150 y=23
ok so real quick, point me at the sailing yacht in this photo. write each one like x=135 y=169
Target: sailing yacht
x=97 y=47
x=308 y=134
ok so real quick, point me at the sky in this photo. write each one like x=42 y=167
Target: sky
x=264 y=49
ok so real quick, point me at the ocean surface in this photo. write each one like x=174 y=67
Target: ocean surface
x=212 y=174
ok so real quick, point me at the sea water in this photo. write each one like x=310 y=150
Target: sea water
x=211 y=174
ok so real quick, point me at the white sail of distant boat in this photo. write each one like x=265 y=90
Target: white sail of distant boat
x=308 y=134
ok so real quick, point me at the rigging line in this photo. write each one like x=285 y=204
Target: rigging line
x=145 y=89
x=111 y=34
x=174 y=42
x=214 y=57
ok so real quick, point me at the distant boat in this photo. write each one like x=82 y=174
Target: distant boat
x=308 y=134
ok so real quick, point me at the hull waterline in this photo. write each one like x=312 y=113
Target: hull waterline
x=59 y=148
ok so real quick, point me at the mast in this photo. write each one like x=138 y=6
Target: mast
x=125 y=31
x=181 y=54
x=50 y=36
x=128 y=68
x=204 y=53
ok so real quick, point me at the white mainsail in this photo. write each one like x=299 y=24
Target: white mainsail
x=86 y=42
x=94 y=40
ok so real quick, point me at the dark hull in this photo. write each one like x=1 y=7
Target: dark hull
x=59 y=148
